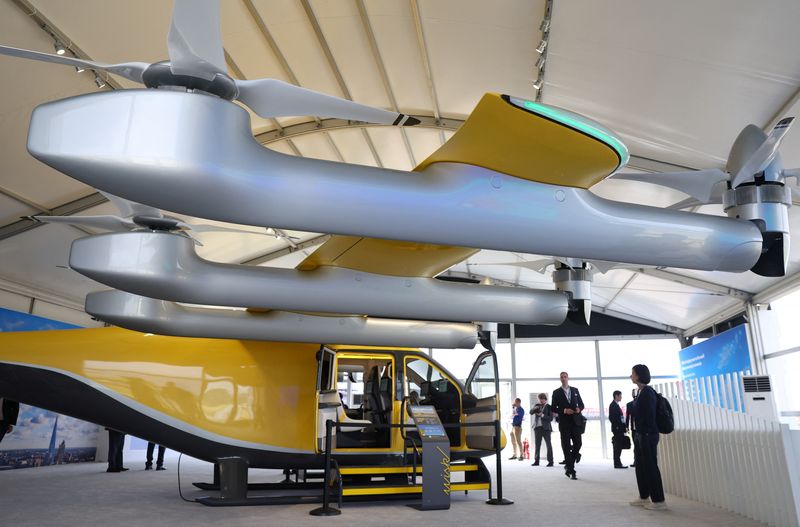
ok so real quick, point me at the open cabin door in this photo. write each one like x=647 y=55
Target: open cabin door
x=483 y=393
x=328 y=401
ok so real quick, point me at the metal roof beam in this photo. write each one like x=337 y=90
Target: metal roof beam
x=671 y=276
x=46 y=25
x=257 y=260
x=373 y=44
x=426 y=63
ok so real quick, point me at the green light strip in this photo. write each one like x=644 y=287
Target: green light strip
x=579 y=123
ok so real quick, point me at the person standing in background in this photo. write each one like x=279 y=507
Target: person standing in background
x=542 y=429
x=617 y=428
x=567 y=404
x=116 y=442
x=629 y=424
x=159 y=460
x=516 y=428
x=9 y=411
x=648 y=476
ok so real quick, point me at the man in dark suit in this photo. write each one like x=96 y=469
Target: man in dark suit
x=542 y=428
x=617 y=428
x=568 y=405
x=9 y=411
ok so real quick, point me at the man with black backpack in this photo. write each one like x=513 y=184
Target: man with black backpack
x=645 y=451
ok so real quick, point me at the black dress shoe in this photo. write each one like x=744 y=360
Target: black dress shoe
x=577 y=458
x=550 y=464
x=148 y=466
x=160 y=467
x=535 y=464
x=574 y=475
x=123 y=469
x=110 y=469
x=562 y=462
x=620 y=466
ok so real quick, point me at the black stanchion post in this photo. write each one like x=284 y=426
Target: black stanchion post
x=326 y=509
x=499 y=499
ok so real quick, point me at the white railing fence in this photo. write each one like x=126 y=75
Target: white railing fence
x=721 y=456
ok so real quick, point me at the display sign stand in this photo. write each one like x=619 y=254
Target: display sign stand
x=435 y=459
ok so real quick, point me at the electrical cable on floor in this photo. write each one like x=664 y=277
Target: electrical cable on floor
x=180 y=493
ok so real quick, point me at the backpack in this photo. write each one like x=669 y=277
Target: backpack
x=664 y=419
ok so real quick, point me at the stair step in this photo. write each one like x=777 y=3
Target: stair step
x=407 y=489
x=461 y=467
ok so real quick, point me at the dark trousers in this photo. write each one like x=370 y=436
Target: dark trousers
x=3 y=428
x=648 y=477
x=116 y=442
x=616 y=442
x=571 y=446
x=159 y=459
x=538 y=434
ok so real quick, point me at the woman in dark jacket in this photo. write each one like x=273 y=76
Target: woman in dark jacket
x=645 y=450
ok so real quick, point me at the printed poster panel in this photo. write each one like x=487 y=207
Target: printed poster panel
x=728 y=352
x=41 y=437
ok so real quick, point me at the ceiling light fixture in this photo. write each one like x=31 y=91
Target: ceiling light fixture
x=541 y=47
x=98 y=81
x=540 y=62
x=537 y=84
x=80 y=69
x=60 y=49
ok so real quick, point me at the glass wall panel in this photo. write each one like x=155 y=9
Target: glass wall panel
x=549 y=359
x=503 y=352
x=785 y=312
x=457 y=362
x=782 y=371
x=617 y=357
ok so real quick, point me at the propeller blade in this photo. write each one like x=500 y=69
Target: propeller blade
x=763 y=155
x=129 y=209
x=746 y=143
x=194 y=41
x=105 y=222
x=130 y=70
x=274 y=98
x=700 y=184
x=534 y=265
x=203 y=227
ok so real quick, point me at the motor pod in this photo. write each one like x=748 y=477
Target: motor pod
x=575 y=279
x=766 y=204
x=150 y=315
x=487 y=335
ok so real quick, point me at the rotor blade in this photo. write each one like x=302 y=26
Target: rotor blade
x=274 y=98
x=763 y=156
x=105 y=222
x=130 y=70
x=194 y=41
x=534 y=265
x=129 y=209
x=697 y=183
x=203 y=227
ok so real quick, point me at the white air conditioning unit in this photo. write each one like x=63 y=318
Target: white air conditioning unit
x=758 y=399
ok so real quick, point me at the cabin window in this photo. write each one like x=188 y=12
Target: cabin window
x=427 y=384
x=483 y=381
x=325 y=372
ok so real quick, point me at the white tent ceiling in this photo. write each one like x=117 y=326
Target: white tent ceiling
x=676 y=80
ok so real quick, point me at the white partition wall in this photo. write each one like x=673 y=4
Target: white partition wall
x=727 y=458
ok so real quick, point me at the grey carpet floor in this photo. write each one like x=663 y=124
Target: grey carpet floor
x=78 y=495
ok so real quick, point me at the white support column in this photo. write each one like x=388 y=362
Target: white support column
x=603 y=416
x=754 y=332
x=513 y=339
